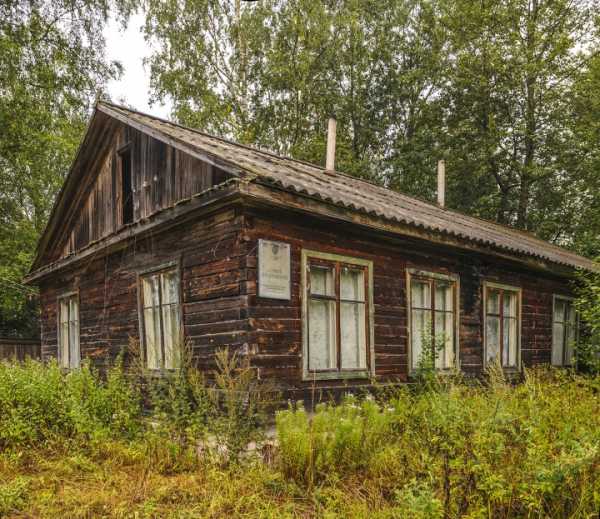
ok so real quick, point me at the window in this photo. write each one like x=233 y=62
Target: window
x=433 y=317
x=161 y=316
x=68 y=331
x=502 y=325
x=126 y=187
x=564 y=331
x=337 y=322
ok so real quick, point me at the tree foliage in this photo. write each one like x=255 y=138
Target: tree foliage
x=499 y=89
x=52 y=66
x=271 y=73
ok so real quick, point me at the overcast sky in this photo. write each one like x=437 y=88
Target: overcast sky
x=130 y=49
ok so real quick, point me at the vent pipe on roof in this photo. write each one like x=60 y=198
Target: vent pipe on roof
x=441 y=183
x=331 y=131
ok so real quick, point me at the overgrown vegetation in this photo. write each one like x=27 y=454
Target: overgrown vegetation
x=587 y=352
x=82 y=445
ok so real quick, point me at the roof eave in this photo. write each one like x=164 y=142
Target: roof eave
x=257 y=191
x=208 y=201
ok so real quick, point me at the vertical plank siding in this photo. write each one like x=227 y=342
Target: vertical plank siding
x=161 y=176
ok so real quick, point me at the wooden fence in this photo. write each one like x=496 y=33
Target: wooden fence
x=20 y=349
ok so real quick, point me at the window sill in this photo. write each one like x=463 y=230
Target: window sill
x=336 y=375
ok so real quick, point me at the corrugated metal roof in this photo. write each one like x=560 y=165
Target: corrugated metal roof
x=356 y=194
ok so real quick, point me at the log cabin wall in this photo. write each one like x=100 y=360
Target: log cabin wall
x=275 y=327
x=218 y=264
x=161 y=176
x=211 y=258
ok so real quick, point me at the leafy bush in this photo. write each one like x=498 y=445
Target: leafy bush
x=240 y=403
x=460 y=450
x=13 y=496
x=336 y=441
x=39 y=403
x=100 y=408
x=32 y=406
x=587 y=351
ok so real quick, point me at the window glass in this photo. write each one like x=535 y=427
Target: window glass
x=420 y=325
x=162 y=319
x=559 y=310
x=493 y=301
x=558 y=341
x=509 y=350
x=502 y=327
x=564 y=332
x=74 y=356
x=420 y=296
x=68 y=331
x=337 y=291
x=352 y=284
x=443 y=296
x=321 y=329
x=433 y=323
x=492 y=338
x=354 y=336
x=321 y=281
x=64 y=332
x=444 y=326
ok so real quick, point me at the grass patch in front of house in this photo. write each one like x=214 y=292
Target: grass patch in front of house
x=73 y=446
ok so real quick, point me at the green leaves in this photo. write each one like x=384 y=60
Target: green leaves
x=498 y=89
x=461 y=450
x=52 y=67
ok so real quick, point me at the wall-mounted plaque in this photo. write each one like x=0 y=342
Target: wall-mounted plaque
x=274 y=279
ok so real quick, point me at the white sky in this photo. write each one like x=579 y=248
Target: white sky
x=130 y=48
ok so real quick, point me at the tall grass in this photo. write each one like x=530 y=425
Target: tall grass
x=455 y=449
x=39 y=403
x=120 y=446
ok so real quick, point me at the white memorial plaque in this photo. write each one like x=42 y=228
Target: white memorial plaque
x=274 y=269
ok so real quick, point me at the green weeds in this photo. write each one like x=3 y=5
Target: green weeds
x=129 y=444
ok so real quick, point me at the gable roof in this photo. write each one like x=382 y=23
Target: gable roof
x=351 y=193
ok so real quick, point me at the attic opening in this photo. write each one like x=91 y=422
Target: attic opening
x=126 y=187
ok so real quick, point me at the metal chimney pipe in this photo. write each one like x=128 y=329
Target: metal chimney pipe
x=331 y=131
x=441 y=183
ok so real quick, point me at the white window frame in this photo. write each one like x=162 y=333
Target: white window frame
x=172 y=266
x=453 y=278
x=68 y=363
x=307 y=374
x=511 y=288
x=556 y=297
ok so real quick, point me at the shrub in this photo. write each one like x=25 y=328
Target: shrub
x=587 y=351
x=39 y=403
x=13 y=496
x=336 y=440
x=456 y=449
x=32 y=406
x=240 y=403
x=98 y=408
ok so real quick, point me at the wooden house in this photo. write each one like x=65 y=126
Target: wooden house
x=164 y=234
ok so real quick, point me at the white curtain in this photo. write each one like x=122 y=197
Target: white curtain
x=353 y=319
x=420 y=318
x=444 y=324
x=151 y=321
